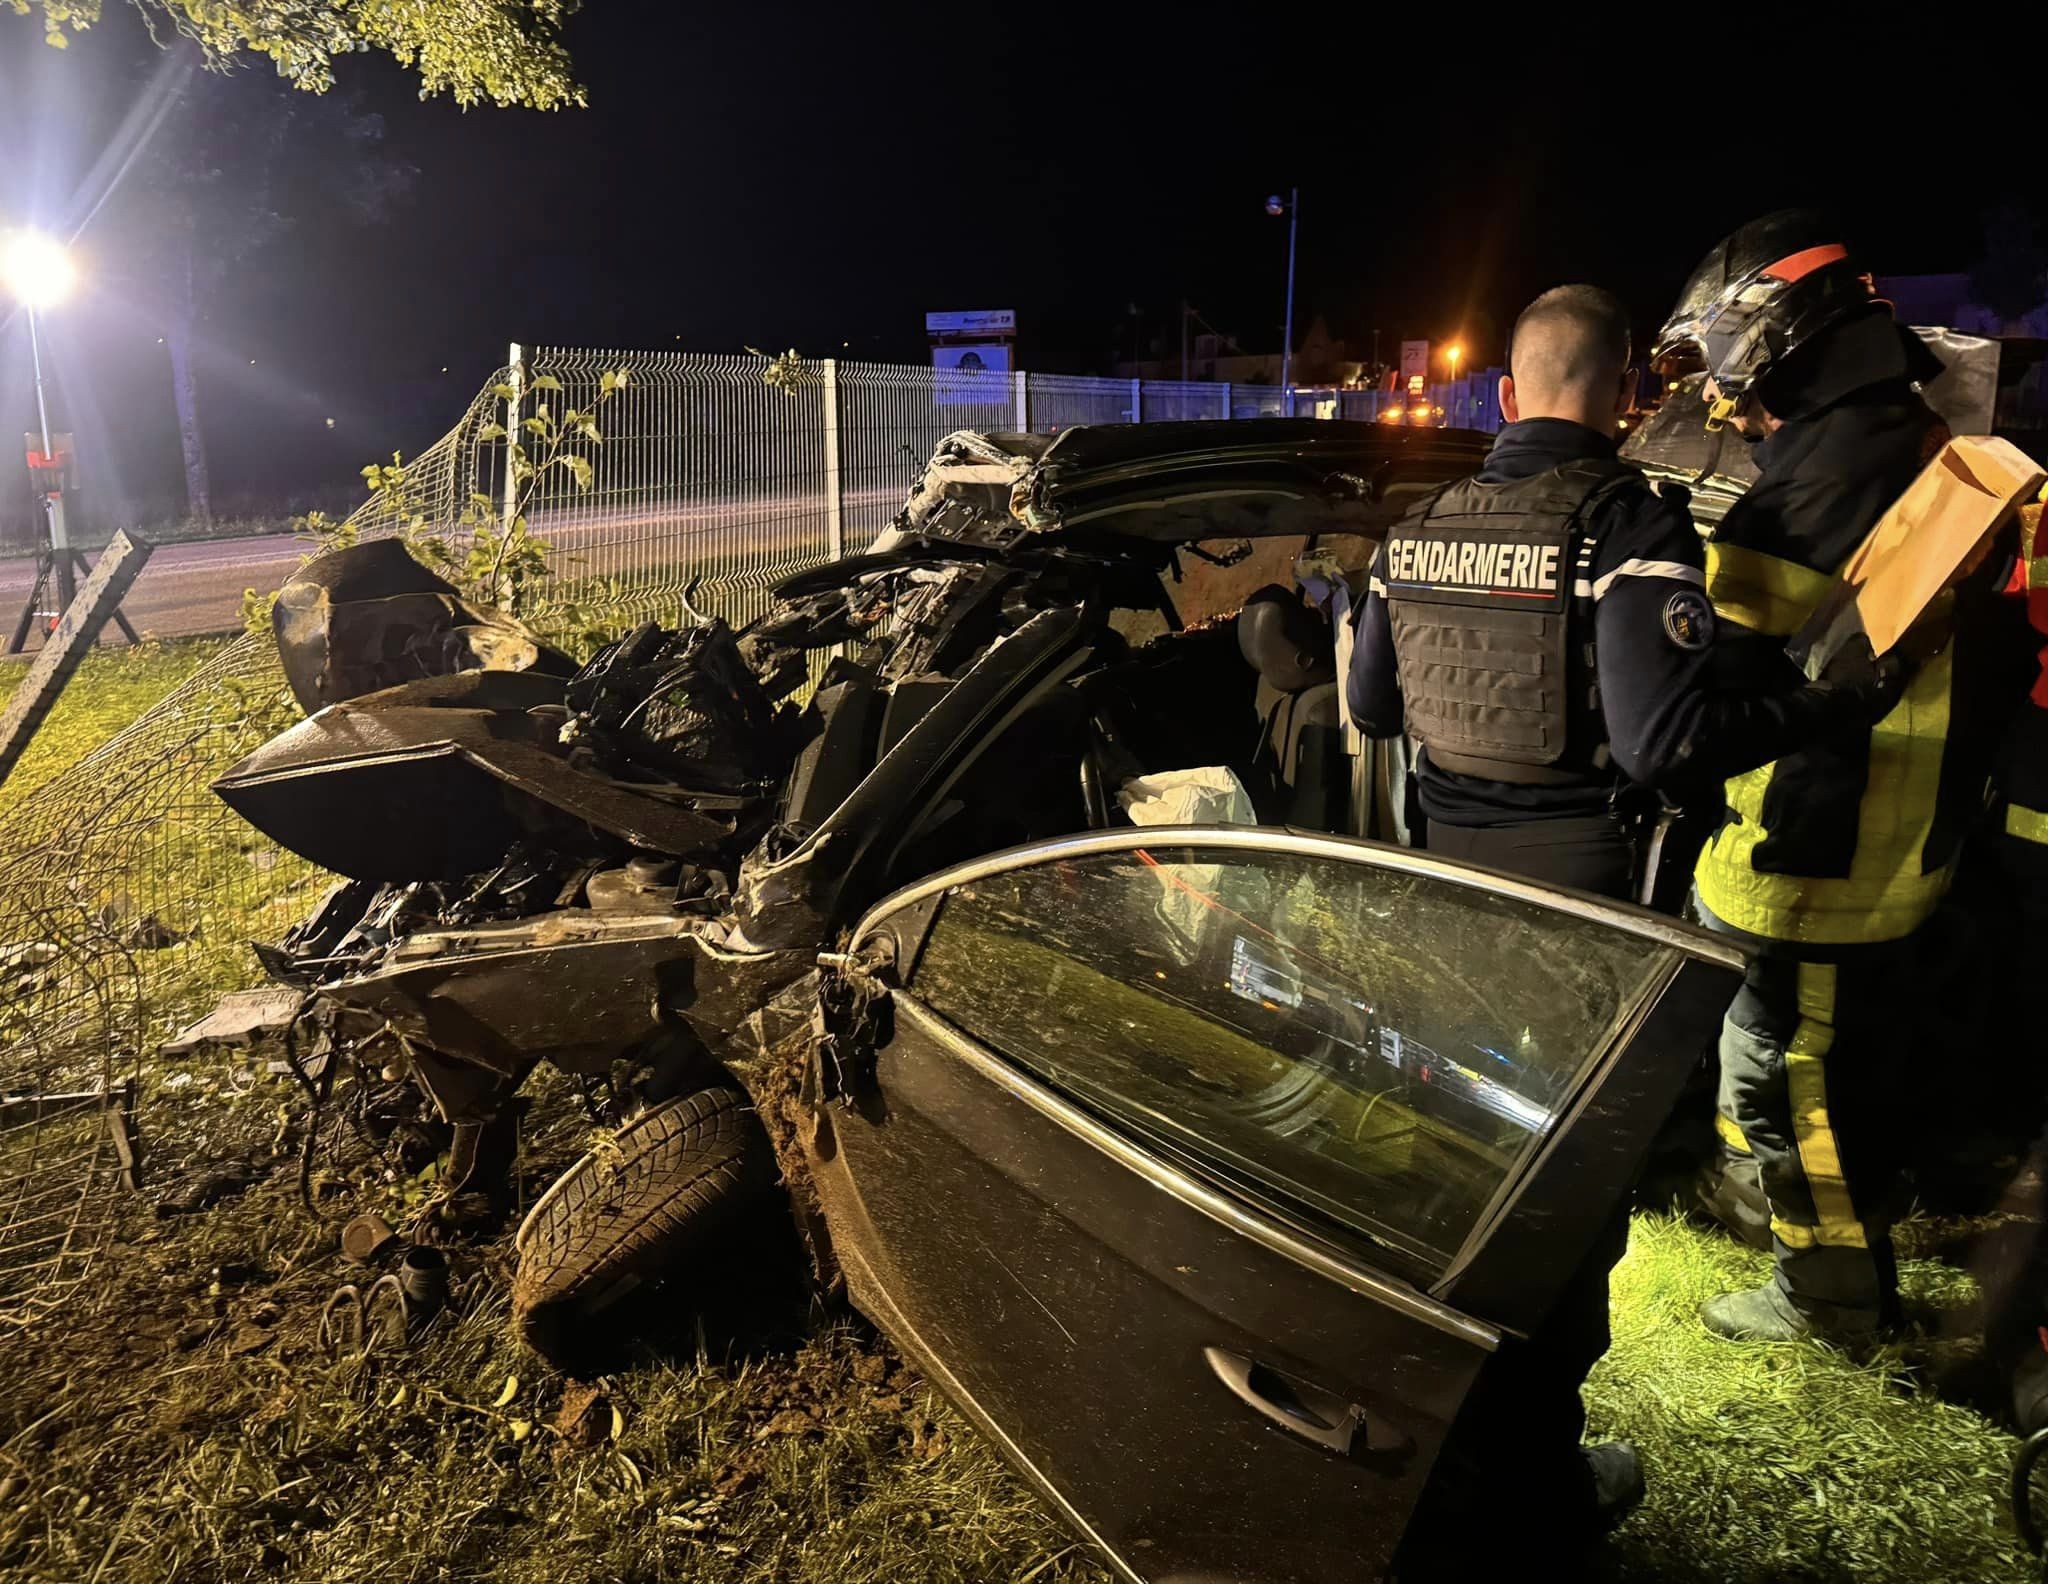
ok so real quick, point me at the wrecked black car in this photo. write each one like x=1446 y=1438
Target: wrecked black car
x=1019 y=928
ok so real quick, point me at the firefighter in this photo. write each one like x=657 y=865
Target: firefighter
x=1832 y=856
x=1542 y=629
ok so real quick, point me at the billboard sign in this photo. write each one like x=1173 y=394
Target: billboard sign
x=1415 y=358
x=971 y=375
x=972 y=324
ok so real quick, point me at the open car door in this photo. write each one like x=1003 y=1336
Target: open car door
x=1204 y=1168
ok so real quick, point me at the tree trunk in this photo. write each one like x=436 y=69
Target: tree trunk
x=185 y=387
x=185 y=392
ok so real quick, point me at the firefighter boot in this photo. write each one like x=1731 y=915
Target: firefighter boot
x=1765 y=1314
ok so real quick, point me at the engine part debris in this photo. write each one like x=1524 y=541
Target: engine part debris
x=239 y=1018
x=423 y=1279
x=367 y=1236
x=202 y=1190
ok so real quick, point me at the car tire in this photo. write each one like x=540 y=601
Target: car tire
x=666 y=1183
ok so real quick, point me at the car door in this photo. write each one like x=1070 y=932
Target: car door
x=1204 y=1168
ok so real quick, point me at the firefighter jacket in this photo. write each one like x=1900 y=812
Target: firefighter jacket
x=1851 y=839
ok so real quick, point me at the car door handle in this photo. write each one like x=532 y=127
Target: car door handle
x=1301 y=1409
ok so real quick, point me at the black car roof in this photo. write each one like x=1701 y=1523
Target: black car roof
x=1116 y=446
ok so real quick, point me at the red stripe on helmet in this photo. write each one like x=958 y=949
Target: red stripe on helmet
x=1797 y=266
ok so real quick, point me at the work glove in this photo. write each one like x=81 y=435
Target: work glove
x=1876 y=684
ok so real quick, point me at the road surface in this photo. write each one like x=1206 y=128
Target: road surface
x=196 y=587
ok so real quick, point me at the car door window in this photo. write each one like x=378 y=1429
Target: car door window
x=1371 y=1049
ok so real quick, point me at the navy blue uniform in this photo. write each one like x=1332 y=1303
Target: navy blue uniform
x=1668 y=720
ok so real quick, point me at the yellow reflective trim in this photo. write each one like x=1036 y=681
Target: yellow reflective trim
x=1764 y=593
x=1885 y=896
x=1791 y=1236
x=1806 y=1088
x=2025 y=823
x=1731 y=1133
x=2031 y=549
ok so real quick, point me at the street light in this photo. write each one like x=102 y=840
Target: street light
x=36 y=270
x=1291 y=207
x=1454 y=352
x=38 y=274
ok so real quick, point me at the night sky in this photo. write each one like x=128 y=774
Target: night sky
x=768 y=175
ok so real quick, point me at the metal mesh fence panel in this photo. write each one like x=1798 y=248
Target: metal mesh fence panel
x=889 y=419
x=1182 y=401
x=707 y=488
x=1060 y=401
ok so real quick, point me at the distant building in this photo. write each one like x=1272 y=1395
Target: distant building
x=1319 y=359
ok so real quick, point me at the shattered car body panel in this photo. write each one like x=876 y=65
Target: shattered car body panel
x=438 y=777
x=368 y=617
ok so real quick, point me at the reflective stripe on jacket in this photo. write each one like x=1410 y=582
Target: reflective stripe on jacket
x=1829 y=846
x=2025 y=776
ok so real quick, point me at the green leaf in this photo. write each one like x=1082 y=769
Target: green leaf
x=491 y=431
x=536 y=425
x=580 y=467
x=504 y=392
x=546 y=382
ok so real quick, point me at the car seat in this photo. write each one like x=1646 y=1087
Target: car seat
x=1301 y=775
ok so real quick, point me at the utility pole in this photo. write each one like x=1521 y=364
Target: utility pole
x=1184 y=340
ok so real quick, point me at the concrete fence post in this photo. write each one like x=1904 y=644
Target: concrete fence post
x=1022 y=397
x=1137 y=401
x=1227 y=408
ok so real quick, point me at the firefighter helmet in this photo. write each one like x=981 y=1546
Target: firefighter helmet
x=1757 y=297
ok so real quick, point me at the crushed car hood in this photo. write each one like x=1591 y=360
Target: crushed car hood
x=1167 y=484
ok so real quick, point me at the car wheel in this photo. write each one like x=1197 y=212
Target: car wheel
x=662 y=1186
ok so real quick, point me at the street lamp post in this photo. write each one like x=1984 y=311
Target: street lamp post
x=38 y=275
x=1292 y=206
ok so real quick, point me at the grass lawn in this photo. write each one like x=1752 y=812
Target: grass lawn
x=188 y=1424
x=112 y=686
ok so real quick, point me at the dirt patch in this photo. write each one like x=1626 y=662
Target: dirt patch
x=185 y=1421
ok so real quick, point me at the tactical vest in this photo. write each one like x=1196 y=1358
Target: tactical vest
x=1489 y=593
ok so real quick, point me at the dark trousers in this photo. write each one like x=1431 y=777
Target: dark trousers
x=1513 y=1454
x=1812 y=1063
x=1590 y=853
